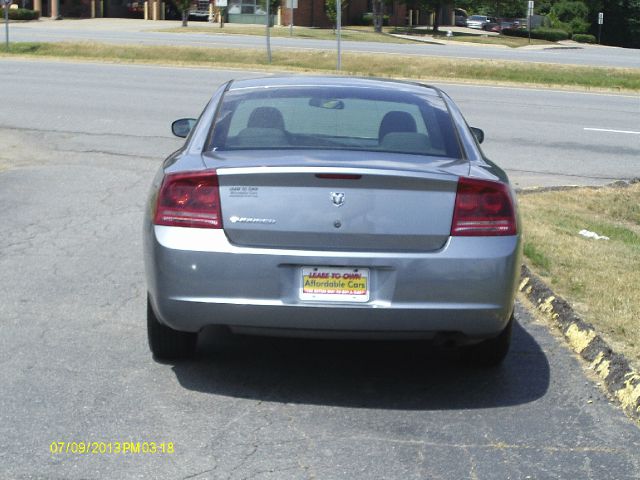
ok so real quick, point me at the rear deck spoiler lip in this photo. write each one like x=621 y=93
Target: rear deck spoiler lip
x=327 y=162
x=435 y=174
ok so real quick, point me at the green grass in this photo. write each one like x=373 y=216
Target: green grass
x=536 y=257
x=599 y=277
x=386 y=65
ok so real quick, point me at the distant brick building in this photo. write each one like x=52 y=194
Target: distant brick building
x=309 y=13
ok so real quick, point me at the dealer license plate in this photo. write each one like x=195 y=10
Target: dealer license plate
x=334 y=284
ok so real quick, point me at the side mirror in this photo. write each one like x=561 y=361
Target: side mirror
x=182 y=127
x=478 y=133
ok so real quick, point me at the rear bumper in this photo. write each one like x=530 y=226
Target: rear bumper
x=197 y=278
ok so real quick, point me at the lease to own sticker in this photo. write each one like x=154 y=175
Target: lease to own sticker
x=335 y=284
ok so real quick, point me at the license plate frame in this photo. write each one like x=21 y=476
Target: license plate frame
x=335 y=284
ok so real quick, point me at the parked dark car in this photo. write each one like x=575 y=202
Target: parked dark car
x=135 y=9
x=460 y=17
x=492 y=25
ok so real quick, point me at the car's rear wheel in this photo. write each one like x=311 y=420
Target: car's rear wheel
x=166 y=343
x=491 y=352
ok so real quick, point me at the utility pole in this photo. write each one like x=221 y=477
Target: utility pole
x=268 y=33
x=222 y=5
x=292 y=5
x=5 y=3
x=529 y=15
x=338 y=31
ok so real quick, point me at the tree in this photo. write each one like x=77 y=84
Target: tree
x=621 y=18
x=509 y=8
x=273 y=6
x=183 y=7
x=331 y=12
x=621 y=23
x=378 y=12
x=472 y=6
x=433 y=6
x=497 y=8
x=570 y=15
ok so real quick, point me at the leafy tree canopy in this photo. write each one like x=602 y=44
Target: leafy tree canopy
x=498 y=8
x=332 y=13
x=621 y=17
x=570 y=15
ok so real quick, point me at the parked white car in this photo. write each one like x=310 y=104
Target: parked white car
x=477 y=21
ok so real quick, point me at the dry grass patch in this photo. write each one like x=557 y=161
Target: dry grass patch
x=599 y=277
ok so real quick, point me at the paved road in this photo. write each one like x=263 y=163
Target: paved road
x=139 y=32
x=544 y=137
x=75 y=365
x=540 y=137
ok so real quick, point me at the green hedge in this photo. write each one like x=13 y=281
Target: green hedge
x=20 y=14
x=367 y=19
x=515 y=32
x=542 y=33
x=583 y=38
x=550 y=34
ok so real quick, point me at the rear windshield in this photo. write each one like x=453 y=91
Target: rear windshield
x=343 y=118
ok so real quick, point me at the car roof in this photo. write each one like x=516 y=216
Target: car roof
x=333 y=81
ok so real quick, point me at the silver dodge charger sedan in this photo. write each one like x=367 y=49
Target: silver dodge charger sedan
x=334 y=208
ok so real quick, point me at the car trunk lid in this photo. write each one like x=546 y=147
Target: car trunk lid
x=312 y=205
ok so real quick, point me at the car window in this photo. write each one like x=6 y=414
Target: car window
x=361 y=118
x=335 y=118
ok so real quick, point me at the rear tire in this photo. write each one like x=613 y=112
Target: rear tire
x=491 y=352
x=166 y=343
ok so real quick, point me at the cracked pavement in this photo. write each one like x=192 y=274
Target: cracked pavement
x=76 y=367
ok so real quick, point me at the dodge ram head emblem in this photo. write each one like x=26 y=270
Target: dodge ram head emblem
x=337 y=198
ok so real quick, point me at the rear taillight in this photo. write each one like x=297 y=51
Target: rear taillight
x=483 y=208
x=189 y=199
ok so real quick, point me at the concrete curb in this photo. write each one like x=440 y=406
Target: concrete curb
x=621 y=381
x=414 y=38
x=562 y=48
x=564 y=188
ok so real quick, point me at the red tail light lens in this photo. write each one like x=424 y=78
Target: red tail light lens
x=189 y=200
x=483 y=208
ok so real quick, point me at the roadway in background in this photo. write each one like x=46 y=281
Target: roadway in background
x=80 y=144
x=540 y=137
x=140 y=32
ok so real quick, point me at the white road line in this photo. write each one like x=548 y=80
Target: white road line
x=611 y=131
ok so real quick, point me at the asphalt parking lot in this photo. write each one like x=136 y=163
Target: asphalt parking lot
x=76 y=367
